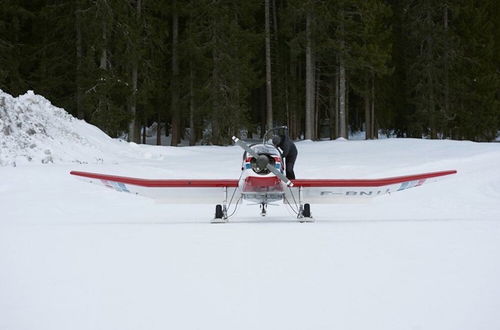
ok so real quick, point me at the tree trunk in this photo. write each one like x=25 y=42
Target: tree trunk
x=287 y=98
x=132 y=136
x=176 y=138
x=347 y=99
x=374 y=128
x=269 y=93
x=337 y=102
x=291 y=99
x=331 y=107
x=342 y=100
x=263 y=110
x=342 y=84
x=216 y=133
x=317 y=80
x=133 y=131
x=309 y=113
x=368 y=120
x=430 y=83
x=158 y=130
x=79 y=59
x=103 y=66
x=104 y=53
x=446 y=64
x=369 y=101
x=192 y=131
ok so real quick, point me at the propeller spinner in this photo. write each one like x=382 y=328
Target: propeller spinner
x=261 y=163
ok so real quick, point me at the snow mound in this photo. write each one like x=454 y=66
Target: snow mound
x=32 y=130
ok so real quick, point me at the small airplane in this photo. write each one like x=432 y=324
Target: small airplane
x=262 y=181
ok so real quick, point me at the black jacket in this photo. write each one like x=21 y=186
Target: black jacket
x=288 y=147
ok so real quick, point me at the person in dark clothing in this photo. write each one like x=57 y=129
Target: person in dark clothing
x=289 y=153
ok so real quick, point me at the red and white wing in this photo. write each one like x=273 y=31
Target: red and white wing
x=168 y=191
x=331 y=191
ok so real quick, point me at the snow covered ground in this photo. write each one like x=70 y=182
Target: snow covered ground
x=79 y=256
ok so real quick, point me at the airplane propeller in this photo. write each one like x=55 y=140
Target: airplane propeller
x=262 y=161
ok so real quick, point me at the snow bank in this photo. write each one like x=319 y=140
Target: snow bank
x=34 y=130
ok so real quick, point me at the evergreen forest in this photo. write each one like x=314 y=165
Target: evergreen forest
x=207 y=69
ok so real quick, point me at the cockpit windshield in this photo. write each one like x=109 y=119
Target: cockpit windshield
x=267 y=149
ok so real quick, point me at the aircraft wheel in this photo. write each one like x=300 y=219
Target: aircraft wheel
x=218 y=211
x=307 y=211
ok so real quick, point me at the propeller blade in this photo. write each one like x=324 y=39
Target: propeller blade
x=271 y=168
x=279 y=175
x=245 y=147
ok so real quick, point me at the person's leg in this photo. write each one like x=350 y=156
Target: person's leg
x=290 y=161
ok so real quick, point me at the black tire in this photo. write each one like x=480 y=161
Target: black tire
x=218 y=211
x=307 y=211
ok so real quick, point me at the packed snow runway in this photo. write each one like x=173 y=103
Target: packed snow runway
x=80 y=256
x=74 y=255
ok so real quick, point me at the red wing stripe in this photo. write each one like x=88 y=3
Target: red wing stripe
x=367 y=182
x=160 y=183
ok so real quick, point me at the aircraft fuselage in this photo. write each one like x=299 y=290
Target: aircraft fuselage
x=257 y=184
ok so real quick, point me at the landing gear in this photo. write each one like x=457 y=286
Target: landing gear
x=221 y=211
x=220 y=214
x=305 y=213
x=263 y=209
x=304 y=210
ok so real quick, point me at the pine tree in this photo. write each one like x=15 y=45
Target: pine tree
x=14 y=19
x=371 y=51
x=153 y=96
x=269 y=90
x=426 y=69
x=53 y=53
x=477 y=80
x=176 y=120
x=426 y=74
x=230 y=46
x=135 y=50
x=305 y=26
x=107 y=66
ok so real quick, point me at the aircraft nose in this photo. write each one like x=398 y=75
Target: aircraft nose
x=262 y=161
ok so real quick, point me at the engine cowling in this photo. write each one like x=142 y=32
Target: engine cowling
x=259 y=164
